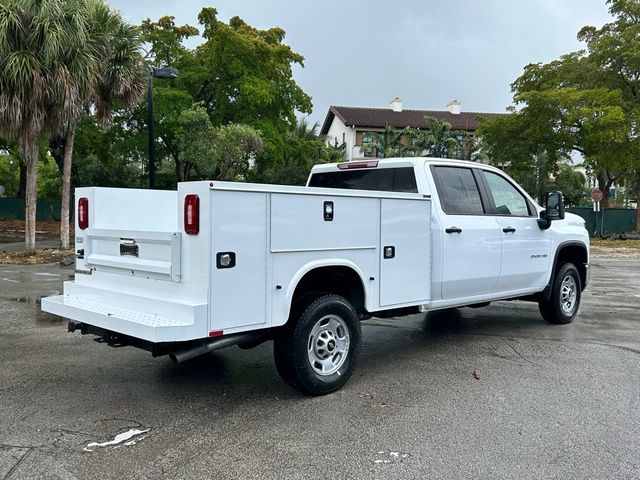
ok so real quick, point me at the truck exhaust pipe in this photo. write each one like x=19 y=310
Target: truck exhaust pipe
x=216 y=344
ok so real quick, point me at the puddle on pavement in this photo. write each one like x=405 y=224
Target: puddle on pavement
x=29 y=286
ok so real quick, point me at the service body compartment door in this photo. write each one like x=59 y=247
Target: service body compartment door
x=237 y=297
x=405 y=252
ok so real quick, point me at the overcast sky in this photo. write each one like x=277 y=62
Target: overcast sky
x=364 y=53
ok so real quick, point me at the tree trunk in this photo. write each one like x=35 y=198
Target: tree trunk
x=29 y=150
x=66 y=186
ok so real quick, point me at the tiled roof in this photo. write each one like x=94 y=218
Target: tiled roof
x=381 y=117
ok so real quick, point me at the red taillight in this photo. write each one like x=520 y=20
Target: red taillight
x=83 y=213
x=350 y=165
x=192 y=214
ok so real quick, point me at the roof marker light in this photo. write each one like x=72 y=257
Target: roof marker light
x=353 y=165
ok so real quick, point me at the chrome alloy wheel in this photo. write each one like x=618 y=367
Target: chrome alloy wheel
x=328 y=345
x=568 y=294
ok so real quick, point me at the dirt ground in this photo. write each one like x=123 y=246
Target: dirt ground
x=12 y=235
x=13 y=230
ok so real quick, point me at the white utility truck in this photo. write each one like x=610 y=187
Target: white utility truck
x=215 y=264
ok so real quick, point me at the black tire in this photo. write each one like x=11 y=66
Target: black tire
x=316 y=320
x=560 y=309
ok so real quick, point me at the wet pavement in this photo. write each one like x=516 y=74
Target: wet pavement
x=545 y=401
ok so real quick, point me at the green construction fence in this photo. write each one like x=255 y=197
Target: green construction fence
x=13 y=209
x=608 y=221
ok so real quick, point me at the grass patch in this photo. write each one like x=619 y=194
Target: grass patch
x=43 y=255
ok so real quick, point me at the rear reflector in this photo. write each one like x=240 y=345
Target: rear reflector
x=192 y=214
x=350 y=165
x=216 y=333
x=83 y=213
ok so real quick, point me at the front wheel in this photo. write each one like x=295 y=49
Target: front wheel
x=316 y=354
x=562 y=305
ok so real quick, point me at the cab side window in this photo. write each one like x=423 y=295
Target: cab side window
x=507 y=199
x=458 y=191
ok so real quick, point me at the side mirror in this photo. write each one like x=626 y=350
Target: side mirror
x=553 y=209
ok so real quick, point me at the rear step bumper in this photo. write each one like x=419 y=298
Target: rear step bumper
x=149 y=319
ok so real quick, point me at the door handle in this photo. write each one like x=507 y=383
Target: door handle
x=453 y=230
x=509 y=230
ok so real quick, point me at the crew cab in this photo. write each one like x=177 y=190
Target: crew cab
x=183 y=273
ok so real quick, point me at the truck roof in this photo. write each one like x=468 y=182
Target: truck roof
x=393 y=162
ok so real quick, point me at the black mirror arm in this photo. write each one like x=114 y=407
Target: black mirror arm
x=544 y=222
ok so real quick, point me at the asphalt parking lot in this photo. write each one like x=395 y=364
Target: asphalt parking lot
x=550 y=401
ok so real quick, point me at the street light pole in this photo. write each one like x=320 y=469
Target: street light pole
x=158 y=73
x=152 y=143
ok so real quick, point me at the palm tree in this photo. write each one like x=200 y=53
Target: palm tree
x=441 y=137
x=118 y=78
x=472 y=148
x=386 y=143
x=56 y=56
x=439 y=140
x=304 y=131
x=43 y=44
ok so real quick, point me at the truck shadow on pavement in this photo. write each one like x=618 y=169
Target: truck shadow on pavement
x=386 y=343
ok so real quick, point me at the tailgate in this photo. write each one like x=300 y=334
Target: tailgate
x=133 y=252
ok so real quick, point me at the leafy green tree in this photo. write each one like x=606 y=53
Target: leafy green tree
x=248 y=74
x=299 y=150
x=9 y=174
x=572 y=185
x=586 y=101
x=107 y=157
x=194 y=142
x=510 y=145
x=222 y=153
x=49 y=183
x=240 y=74
x=164 y=39
x=614 y=51
x=235 y=148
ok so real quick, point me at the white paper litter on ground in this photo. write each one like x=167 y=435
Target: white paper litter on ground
x=121 y=437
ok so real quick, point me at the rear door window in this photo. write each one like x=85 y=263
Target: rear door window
x=458 y=191
x=400 y=179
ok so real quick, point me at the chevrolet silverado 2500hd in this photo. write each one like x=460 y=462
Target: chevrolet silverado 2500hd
x=214 y=264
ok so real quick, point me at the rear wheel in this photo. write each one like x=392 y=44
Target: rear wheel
x=562 y=306
x=316 y=354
